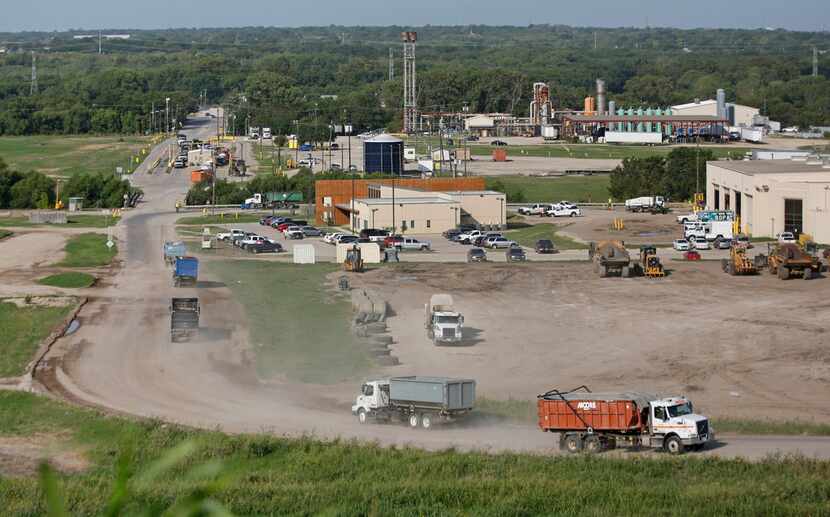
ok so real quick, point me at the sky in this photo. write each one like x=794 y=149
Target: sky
x=50 y=15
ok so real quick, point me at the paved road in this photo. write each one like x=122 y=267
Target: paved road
x=121 y=359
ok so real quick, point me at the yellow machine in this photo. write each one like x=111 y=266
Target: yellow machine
x=738 y=263
x=354 y=260
x=650 y=263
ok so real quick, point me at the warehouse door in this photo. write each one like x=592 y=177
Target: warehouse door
x=793 y=216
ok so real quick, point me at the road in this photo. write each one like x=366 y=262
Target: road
x=121 y=358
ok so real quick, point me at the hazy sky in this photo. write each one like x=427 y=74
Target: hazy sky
x=153 y=14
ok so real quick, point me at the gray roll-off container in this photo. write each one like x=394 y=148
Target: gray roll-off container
x=440 y=394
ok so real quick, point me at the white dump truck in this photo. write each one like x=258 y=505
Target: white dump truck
x=645 y=204
x=418 y=400
x=443 y=323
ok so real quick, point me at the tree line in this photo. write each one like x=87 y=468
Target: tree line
x=35 y=190
x=676 y=176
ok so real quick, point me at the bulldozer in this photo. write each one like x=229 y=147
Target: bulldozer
x=610 y=257
x=738 y=263
x=789 y=259
x=650 y=265
x=354 y=260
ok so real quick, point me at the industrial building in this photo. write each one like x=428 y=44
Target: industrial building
x=773 y=196
x=419 y=211
x=736 y=114
x=333 y=198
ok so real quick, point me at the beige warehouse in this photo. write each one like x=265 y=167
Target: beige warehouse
x=421 y=212
x=772 y=196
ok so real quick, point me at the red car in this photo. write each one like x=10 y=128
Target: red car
x=393 y=241
x=284 y=226
x=691 y=255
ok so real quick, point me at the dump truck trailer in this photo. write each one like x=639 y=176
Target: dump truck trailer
x=420 y=401
x=184 y=318
x=592 y=422
x=788 y=260
x=185 y=271
x=610 y=257
x=173 y=250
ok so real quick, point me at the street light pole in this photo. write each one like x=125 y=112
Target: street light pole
x=167 y=115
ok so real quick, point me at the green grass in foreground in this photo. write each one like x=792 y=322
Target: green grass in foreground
x=67 y=155
x=259 y=475
x=68 y=280
x=298 y=328
x=72 y=221
x=529 y=235
x=21 y=331
x=579 y=189
x=88 y=250
x=4 y=234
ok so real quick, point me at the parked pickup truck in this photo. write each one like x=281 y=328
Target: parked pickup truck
x=592 y=422
x=418 y=400
x=184 y=318
x=564 y=211
x=537 y=209
x=186 y=271
x=224 y=236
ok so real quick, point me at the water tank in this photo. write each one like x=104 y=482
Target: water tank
x=601 y=97
x=721 y=98
x=383 y=153
x=612 y=110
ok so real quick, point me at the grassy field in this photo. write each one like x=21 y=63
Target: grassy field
x=529 y=235
x=300 y=330
x=68 y=280
x=23 y=328
x=162 y=465
x=68 y=155
x=578 y=189
x=222 y=218
x=73 y=221
x=88 y=250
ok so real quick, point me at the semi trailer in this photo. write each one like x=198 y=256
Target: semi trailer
x=184 y=318
x=592 y=422
x=420 y=401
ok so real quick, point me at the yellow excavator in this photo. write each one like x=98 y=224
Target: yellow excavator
x=354 y=260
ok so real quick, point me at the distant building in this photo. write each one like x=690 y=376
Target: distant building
x=480 y=125
x=737 y=114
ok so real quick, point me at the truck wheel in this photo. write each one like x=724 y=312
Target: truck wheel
x=673 y=445
x=573 y=443
x=413 y=420
x=426 y=421
x=603 y=271
x=783 y=273
x=361 y=416
x=808 y=273
x=626 y=272
x=591 y=444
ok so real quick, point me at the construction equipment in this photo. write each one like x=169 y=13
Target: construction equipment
x=610 y=257
x=184 y=318
x=788 y=259
x=354 y=260
x=738 y=263
x=650 y=265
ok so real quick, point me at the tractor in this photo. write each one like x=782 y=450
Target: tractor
x=354 y=260
x=738 y=263
x=650 y=265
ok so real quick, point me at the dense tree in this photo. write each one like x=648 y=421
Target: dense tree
x=676 y=177
x=32 y=191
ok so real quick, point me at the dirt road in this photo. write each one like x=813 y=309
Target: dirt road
x=121 y=359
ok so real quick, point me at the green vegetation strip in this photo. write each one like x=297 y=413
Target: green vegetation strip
x=579 y=189
x=599 y=151
x=4 y=234
x=298 y=328
x=74 y=221
x=68 y=280
x=141 y=465
x=21 y=331
x=529 y=235
x=221 y=218
x=88 y=250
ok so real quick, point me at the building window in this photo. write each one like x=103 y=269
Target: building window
x=717 y=199
x=726 y=201
x=738 y=204
x=412 y=224
x=793 y=215
x=429 y=223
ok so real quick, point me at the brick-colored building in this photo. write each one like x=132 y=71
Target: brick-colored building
x=333 y=195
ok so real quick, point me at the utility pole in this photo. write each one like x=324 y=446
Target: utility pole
x=100 y=46
x=410 y=96
x=595 y=40
x=815 y=62
x=33 y=88
x=167 y=115
x=391 y=66
x=297 y=141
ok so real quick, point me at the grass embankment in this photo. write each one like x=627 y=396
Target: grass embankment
x=88 y=250
x=525 y=411
x=222 y=218
x=69 y=155
x=21 y=331
x=68 y=280
x=258 y=475
x=529 y=235
x=4 y=234
x=578 y=189
x=72 y=221
x=298 y=328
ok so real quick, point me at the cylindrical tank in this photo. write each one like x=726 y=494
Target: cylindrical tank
x=669 y=127
x=590 y=106
x=640 y=113
x=659 y=126
x=649 y=113
x=721 y=97
x=600 y=96
x=630 y=124
x=612 y=110
x=383 y=153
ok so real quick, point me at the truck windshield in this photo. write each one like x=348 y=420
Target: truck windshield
x=680 y=410
x=447 y=319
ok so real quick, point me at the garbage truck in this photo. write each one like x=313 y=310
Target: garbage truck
x=443 y=323
x=418 y=400
x=591 y=422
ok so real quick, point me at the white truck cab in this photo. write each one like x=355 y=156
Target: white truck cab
x=674 y=421
x=444 y=324
x=373 y=397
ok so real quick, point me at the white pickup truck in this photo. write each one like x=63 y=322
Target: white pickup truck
x=537 y=209
x=224 y=236
x=564 y=211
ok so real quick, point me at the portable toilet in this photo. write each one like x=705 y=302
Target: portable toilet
x=76 y=204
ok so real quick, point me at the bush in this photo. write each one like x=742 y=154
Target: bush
x=32 y=190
